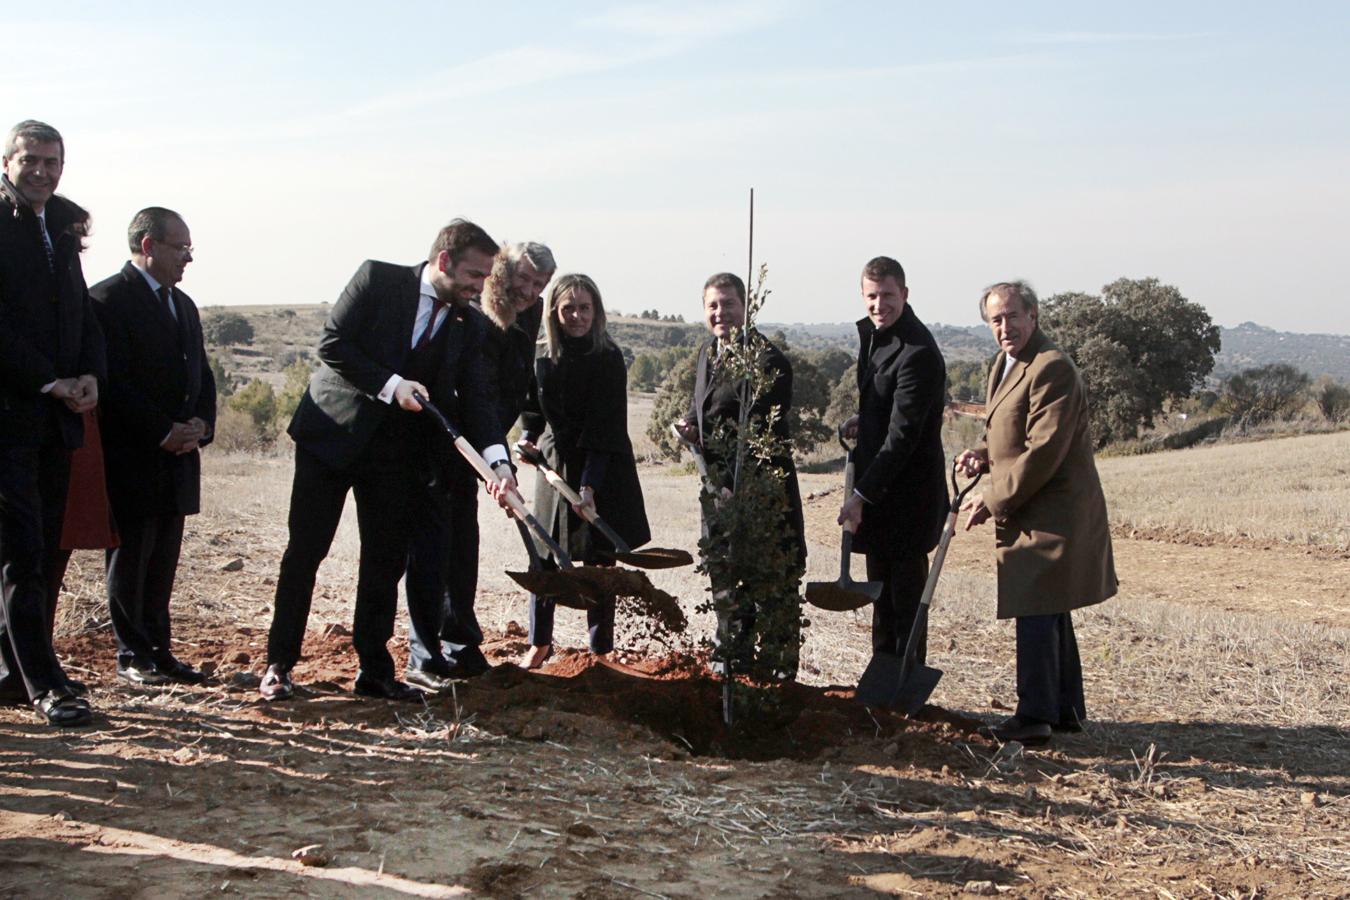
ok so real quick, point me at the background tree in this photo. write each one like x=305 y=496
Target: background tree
x=672 y=402
x=645 y=373
x=259 y=402
x=297 y=381
x=1332 y=398
x=224 y=380
x=1265 y=392
x=224 y=328
x=1165 y=341
x=967 y=380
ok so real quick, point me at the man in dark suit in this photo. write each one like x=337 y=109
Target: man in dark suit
x=51 y=363
x=160 y=408
x=899 y=500
x=444 y=637
x=394 y=330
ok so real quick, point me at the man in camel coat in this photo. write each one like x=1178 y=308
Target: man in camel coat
x=1050 y=525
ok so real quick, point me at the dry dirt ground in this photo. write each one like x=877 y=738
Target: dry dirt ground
x=1217 y=762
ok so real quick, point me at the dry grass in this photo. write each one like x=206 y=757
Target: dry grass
x=1292 y=490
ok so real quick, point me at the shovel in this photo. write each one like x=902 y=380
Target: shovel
x=844 y=594
x=566 y=589
x=892 y=682
x=650 y=558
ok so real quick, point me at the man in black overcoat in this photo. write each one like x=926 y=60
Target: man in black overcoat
x=899 y=500
x=159 y=410
x=444 y=637
x=51 y=364
x=394 y=331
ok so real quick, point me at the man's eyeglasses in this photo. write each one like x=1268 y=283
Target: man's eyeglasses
x=181 y=248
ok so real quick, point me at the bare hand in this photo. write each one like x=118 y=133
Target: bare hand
x=182 y=438
x=687 y=430
x=503 y=488
x=850 y=428
x=979 y=513
x=972 y=463
x=850 y=514
x=403 y=394
x=74 y=393
x=586 y=508
x=88 y=386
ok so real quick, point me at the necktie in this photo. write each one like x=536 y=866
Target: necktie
x=436 y=307
x=167 y=297
x=47 y=244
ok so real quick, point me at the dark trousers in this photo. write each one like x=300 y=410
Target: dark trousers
x=442 y=577
x=33 y=485
x=893 y=614
x=141 y=572
x=599 y=619
x=383 y=486
x=1049 y=672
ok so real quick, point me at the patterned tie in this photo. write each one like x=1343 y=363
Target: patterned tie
x=425 y=338
x=47 y=244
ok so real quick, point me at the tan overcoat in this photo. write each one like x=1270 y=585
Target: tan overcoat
x=1053 y=539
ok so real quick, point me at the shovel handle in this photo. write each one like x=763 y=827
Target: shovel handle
x=559 y=484
x=475 y=459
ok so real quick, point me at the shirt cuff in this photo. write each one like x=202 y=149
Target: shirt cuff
x=386 y=393
x=46 y=388
x=496 y=454
x=859 y=495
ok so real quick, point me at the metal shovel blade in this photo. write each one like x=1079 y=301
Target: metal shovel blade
x=839 y=596
x=655 y=558
x=562 y=587
x=885 y=684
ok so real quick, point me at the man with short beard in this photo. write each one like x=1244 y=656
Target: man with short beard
x=394 y=331
x=51 y=363
x=444 y=637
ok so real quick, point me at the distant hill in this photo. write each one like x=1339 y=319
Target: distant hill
x=283 y=334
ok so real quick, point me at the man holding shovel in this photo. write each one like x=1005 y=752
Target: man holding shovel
x=899 y=501
x=1050 y=526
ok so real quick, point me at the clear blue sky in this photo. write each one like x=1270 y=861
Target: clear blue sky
x=1205 y=144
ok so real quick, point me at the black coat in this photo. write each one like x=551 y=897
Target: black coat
x=899 y=461
x=716 y=400
x=509 y=357
x=580 y=404
x=367 y=339
x=47 y=325
x=158 y=374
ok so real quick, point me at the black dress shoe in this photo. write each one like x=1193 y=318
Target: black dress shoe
x=1027 y=732
x=469 y=662
x=62 y=708
x=177 y=670
x=78 y=688
x=388 y=688
x=142 y=674
x=1068 y=725
x=429 y=679
x=276 y=684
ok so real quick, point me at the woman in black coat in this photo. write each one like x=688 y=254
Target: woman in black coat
x=579 y=404
x=716 y=401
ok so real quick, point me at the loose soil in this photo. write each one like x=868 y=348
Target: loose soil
x=620 y=778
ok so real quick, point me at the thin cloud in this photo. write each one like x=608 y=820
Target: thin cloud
x=1102 y=37
x=693 y=22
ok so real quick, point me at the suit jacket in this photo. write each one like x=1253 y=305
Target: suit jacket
x=716 y=401
x=47 y=326
x=158 y=374
x=368 y=338
x=899 y=461
x=1053 y=538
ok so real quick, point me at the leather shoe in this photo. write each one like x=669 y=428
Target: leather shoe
x=176 y=670
x=142 y=674
x=429 y=679
x=388 y=688
x=78 y=688
x=1070 y=724
x=1027 y=732
x=63 y=709
x=276 y=684
x=469 y=662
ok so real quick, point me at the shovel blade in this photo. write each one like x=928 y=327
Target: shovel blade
x=560 y=587
x=837 y=596
x=886 y=685
x=655 y=558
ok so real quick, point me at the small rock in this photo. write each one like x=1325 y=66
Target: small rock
x=61 y=817
x=209 y=667
x=336 y=629
x=891 y=749
x=997 y=704
x=245 y=680
x=233 y=565
x=182 y=755
x=581 y=830
x=310 y=855
x=981 y=888
x=241 y=658
x=1311 y=799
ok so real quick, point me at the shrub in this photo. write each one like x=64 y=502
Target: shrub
x=224 y=328
x=258 y=401
x=1331 y=398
